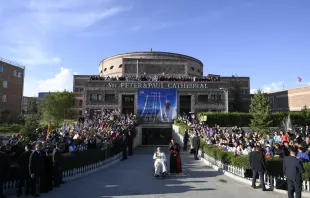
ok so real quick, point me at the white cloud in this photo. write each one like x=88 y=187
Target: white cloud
x=60 y=82
x=275 y=86
x=29 y=29
x=253 y=91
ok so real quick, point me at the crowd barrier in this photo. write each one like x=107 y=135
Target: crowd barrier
x=236 y=172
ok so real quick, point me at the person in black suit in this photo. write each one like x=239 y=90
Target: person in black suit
x=130 y=142
x=124 y=146
x=4 y=169
x=293 y=170
x=24 y=176
x=185 y=140
x=36 y=168
x=196 y=145
x=57 y=165
x=258 y=165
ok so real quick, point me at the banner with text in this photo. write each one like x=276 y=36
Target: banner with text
x=157 y=104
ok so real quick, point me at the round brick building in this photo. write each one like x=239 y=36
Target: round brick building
x=150 y=63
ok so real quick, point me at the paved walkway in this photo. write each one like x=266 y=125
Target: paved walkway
x=134 y=178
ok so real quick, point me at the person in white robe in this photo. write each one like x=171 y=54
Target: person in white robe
x=160 y=163
x=167 y=113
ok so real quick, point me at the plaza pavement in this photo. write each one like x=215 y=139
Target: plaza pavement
x=134 y=178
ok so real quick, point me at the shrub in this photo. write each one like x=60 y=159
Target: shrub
x=244 y=119
x=13 y=128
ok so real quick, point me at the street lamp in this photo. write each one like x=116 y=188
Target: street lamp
x=226 y=98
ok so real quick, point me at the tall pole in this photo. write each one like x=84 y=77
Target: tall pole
x=137 y=68
x=226 y=100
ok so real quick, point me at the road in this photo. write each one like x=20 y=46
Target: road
x=134 y=178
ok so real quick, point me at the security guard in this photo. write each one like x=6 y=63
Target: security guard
x=293 y=170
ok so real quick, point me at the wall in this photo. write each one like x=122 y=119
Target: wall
x=291 y=99
x=117 y=60
x=138 y=139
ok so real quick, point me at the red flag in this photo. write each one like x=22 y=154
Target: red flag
x=299 y=79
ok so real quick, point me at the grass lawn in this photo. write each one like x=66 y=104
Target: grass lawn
x=7 y=133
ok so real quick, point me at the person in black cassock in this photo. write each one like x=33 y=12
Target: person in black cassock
x=36 y=168
x=185 y=140
x=130 y=142
x=258 y=165
x=175 y=158
x=4 y=169
x=124 y=146
x=196 y=145
x=24 y=176
x=293 y=170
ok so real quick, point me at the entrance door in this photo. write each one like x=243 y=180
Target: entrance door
x=128 y=104
x=156 y=136
x=185 y=104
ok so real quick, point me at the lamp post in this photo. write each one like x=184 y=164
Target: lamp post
x=226 y=98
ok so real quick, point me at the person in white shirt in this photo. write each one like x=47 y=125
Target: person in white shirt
x=167 y=114
x=160 y=163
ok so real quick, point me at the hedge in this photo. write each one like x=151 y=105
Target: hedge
x=274 y=168
x=244 y=119
x=14 y=128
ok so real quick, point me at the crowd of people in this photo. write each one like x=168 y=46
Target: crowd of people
x=157 y=78
x=241 y=142
x=292 y=146
x=41 y=160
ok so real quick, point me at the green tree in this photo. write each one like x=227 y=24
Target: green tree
x=57 y=106
x=32 y=107
x=5 y=117
x=305 y=111
x=29 y=130
x=261 y=112
x=21 y=119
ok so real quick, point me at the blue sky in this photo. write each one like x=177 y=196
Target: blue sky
x=266 y=40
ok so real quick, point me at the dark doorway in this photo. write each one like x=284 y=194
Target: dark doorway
x=156 y=136
x=185 y=104
x=128 y=104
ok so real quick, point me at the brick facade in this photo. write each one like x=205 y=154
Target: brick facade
x=11 y=87
x=290 y=100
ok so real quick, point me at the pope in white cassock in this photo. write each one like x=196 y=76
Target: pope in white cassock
x=166 y=113
x=160 y=163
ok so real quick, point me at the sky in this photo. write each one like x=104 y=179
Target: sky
x=269 y=41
